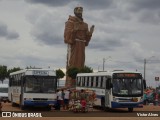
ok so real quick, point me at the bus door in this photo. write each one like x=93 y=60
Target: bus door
x=22 y=91
x=107 y=92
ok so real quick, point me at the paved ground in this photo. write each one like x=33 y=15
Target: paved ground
x=117 y=114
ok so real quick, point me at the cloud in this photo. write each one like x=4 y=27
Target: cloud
x=88 y=4
x=6 y=33
x=138 y=5
x=54 y=3
x=47 y=26
x=146 y=11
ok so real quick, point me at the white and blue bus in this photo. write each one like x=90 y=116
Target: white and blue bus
x=116 y=89
x=33 y=87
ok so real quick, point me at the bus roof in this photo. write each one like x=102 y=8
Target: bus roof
x=109 y=73
x=34 y=71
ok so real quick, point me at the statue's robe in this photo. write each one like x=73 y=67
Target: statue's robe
x=76 y=40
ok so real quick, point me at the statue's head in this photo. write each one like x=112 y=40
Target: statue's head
x=78 y=12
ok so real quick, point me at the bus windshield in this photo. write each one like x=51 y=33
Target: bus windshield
x=3 y=90
x=127 y=87
x=40 y=84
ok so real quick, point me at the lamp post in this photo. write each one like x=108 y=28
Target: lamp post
x=144 y=69
x=145 y=61
x=104 y=59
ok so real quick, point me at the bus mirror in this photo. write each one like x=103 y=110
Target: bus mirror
x=111 y=85
x=144 y=84
x=108 y=84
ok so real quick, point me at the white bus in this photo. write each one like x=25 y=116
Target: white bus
x=33 y=87
x=117 y=89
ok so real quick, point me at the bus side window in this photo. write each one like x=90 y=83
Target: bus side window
x=108 y=83
x=103 y=82
x=92 y=81
x=99 y=82
x=87 y=82
x=83 y=81
x=78 y=81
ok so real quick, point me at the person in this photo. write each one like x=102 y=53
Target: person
x=145 y=98
x=0 y=105
x=59 y=100
x=82 y=94
x=62 y=101
x=77 y=36
x=83 y=105
x=66 y=98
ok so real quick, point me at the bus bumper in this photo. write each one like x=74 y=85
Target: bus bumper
x=39 y=103
x=126 y=104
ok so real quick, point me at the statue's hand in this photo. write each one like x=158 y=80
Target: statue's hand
x=76 y=27
x=92 y=29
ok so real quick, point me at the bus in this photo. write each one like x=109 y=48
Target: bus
x=116 y=89
x=33 y=87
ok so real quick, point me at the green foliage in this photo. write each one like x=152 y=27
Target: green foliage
x=13 y=70
x=32 y=67
x=3 y=72
x=59 y=74
x=72 y=72
x=86 y=69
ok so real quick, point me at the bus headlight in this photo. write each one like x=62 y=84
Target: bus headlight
x=135 y=99
x=115 y=99
x=28 y=99
x=51 y=99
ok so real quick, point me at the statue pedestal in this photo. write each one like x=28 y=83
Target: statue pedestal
x=70 y=83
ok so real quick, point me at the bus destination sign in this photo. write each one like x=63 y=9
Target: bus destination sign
x=40 y=72
x=127 y=75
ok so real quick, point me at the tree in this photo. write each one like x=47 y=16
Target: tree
x=86 y=69
x=3 y=72
x=72 y=72
x=13 y=70
x=59 y=74
x=32 y=67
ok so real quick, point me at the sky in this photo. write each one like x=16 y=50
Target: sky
x=126 y=32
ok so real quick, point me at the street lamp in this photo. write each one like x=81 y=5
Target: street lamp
x=104 y=59
x=145 y=61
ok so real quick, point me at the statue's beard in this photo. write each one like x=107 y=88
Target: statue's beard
x=79 y=15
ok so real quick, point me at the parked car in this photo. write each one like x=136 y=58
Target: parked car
x=4 y=92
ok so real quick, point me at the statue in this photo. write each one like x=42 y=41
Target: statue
x=76 y=36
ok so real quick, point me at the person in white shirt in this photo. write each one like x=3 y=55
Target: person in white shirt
x=66 y=98
x=59 y=99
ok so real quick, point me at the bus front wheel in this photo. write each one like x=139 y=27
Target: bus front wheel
x=103 y=103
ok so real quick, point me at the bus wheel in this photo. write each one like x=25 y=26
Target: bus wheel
x=130 y=109
x=22 y=107
x=103 y=103
x=48 y=108
x=13 y=104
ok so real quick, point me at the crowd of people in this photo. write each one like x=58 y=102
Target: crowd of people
x=74 y=99
x=151 y=96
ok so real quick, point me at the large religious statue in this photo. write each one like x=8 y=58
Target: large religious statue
x=77 y=37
